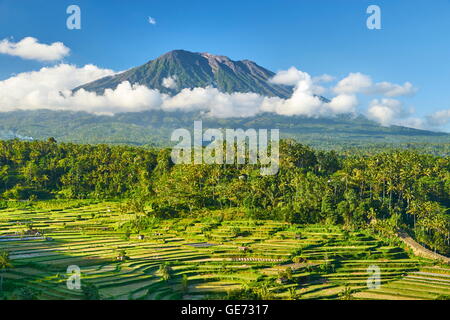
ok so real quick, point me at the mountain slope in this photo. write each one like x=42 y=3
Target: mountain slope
x=190 y=70
x=155 y=127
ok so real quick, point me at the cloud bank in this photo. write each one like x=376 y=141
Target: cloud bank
x=385 y=111
x=51 y=88
x=30 y=48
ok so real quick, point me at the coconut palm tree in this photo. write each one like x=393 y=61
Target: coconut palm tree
x=185 y=283
x=294 y=294
x=346 y=293
x=165 y=271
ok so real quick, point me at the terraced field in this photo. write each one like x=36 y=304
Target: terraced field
x=205 y=259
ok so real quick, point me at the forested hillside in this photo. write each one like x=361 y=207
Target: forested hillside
x=386 y=191
x=154 y=127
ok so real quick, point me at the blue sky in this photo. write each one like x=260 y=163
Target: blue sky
x=318 y=37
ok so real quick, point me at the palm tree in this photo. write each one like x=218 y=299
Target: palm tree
x=294 y=294
x=185 y=283
x=4 y=175
x=90 y=292
x=264 y=293
x=165 y=271
x=5 y=263
x=346 y=293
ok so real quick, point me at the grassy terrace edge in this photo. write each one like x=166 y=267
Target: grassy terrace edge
x=203 y=258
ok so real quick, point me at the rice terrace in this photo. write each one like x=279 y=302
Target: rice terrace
x=204 y=258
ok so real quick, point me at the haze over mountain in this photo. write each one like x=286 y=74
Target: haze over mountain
x=155 y=127
x=179 y=69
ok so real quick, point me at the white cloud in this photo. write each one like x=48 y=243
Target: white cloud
x=305 y=100
x=343 y=103
x=124 y=98
x=394 y=90
x=29 y=48
x=43 y=88
x=361 y=83
x=324 y=78
x=289 y=77
x=151 y=20
x=216 y=103
x=391 y=112
x=301 y=103
x=353 y=83
x=439 y=118
x=170 y=82
x=385 y=111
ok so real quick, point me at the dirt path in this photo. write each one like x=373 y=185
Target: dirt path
x=421 y=251
x=255 y=259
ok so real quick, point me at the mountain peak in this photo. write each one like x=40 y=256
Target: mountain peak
x=196 y=69
x=177 y=52
x=208 y=55
x=215 y=60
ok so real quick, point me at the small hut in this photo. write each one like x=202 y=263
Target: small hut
x=282 y=280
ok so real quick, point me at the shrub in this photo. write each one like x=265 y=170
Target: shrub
x=90 y=291
x=25 y=293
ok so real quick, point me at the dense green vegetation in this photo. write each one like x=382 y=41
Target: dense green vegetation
x=387 y=191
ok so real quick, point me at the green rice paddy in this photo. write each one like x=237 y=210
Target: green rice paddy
x=214 y=257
